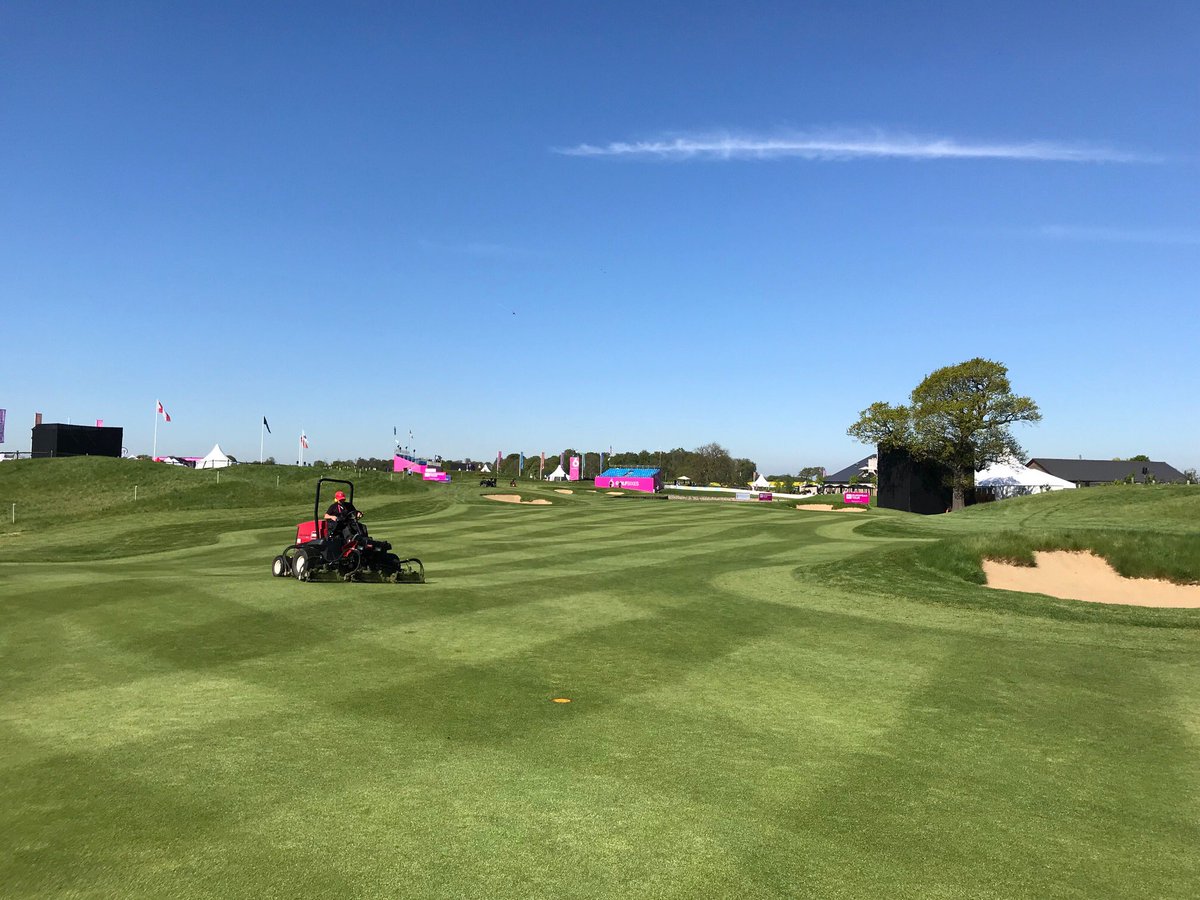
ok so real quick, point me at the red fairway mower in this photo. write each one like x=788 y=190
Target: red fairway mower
x=343 y=549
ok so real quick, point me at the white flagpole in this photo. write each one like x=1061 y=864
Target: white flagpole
x=154 y=452
x=262 y=437
x=301 y=446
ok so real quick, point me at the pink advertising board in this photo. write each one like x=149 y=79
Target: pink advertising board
x=573 y=472
x=863 y=498
x=402 y=464
x=627 y=483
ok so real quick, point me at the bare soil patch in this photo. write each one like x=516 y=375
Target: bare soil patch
x=516 y=498
x=1072 y=575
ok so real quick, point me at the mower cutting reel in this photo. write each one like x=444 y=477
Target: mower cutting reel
x=343 y=550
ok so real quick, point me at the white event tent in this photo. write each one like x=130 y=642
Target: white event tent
x=216 y=459
x=761 y=483
x=1011 y=479
x=557 y=475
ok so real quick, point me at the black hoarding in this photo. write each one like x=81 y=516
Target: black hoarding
x=76 y=440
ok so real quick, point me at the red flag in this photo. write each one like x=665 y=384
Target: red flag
x=162 y=412
x=303 y=441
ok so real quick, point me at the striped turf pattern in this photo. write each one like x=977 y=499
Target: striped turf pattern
x=180 y=724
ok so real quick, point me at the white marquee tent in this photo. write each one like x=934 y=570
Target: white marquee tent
x=216 y=459
x=761 y=483
x=1011 y=479
x=557 y=475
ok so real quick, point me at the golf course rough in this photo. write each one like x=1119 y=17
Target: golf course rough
x=765 y=704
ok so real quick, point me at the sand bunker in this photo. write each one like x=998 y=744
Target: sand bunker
x=516 y=498
x=828 y=507
x=1085 y=576
x=563 y=491
x=615 y=493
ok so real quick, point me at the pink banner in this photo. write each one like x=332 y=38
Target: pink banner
x=403 y=464
x=629 y=483
x=863 y=498
x=573 y=473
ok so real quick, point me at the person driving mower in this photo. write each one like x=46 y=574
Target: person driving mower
x=343 y=519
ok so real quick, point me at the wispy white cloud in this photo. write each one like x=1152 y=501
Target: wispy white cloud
x=848 y=146
x=1120 y=235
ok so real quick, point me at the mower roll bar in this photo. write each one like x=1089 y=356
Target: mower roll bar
x=317 y=514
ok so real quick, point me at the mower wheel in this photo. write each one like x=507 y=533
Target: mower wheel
x=300 y=565
x=280 y=567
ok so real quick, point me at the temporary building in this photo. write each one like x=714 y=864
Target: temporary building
x=485 y=468
x=644 y=480
x=761 y=483
x=1011 y=479
x=216 y=459
x=557 y=475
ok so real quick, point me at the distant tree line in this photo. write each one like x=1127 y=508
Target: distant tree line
x=704 y=465
x=710 y=463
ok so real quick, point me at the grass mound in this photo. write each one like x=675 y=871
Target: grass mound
x=1137 y=554
x=86 y=507
x=1151 y=534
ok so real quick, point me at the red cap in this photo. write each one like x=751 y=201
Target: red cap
x=339 y=495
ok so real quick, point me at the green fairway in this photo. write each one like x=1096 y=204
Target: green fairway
x=764 y=702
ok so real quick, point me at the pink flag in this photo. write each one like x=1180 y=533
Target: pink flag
x=162 y=412
x=303 y=441
x=99 y=423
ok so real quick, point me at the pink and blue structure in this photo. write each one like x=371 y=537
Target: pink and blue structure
x=420 y=467
x=647 y=481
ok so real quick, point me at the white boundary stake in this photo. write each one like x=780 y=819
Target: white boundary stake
x=135 y=493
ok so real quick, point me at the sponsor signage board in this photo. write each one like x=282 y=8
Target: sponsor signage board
x=862 y=498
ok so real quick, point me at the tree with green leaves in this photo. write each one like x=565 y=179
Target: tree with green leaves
x=959 y=416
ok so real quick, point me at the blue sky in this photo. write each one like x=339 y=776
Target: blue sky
x=524 y=226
